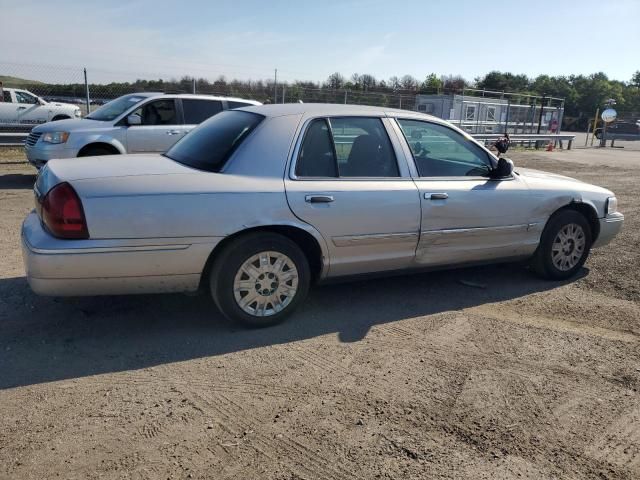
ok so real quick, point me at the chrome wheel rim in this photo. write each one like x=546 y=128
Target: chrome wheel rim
x=265 y=284
x=568 y=247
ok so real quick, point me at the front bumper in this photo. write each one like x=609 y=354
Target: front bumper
x=609 y=228
x=111 y=267
x=40 y=153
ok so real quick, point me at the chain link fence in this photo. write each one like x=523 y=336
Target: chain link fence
x=69 y=89
x=24 y=84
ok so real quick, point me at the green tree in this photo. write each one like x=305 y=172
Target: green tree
x=503 y=82
x=431 y=84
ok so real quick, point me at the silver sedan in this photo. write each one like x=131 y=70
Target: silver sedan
x=257 y=204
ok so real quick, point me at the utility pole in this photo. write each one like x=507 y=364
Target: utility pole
x=275 y=87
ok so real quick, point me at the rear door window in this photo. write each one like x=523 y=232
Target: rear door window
x=158 y=112
x=197 y=111
x=363 y=148
x=6 y=96
x=347 y=147
x=317 y=157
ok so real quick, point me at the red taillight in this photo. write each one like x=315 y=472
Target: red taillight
x=62 y=213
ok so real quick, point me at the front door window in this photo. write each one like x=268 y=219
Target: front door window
x=440 y=151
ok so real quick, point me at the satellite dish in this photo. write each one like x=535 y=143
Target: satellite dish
x=609 y=115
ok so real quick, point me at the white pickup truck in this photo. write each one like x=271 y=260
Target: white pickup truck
x=23 y=108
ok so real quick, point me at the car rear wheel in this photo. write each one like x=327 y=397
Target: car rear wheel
x=564 y=246
x=260 y=279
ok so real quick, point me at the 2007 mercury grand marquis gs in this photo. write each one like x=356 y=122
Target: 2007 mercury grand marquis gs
x=258 y=203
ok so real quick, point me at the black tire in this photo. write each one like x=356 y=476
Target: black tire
x=543 y=263
x=228 y=263
x=96 y=151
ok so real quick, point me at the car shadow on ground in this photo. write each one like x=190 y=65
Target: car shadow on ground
x=47 y=339
x=17 y=181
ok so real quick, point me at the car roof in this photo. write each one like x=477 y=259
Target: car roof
x=333 y=109
x=199 y=96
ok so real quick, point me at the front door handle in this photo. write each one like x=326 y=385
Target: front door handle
x=436 y=196
x=318 y=198
x=22 y=108
x=173 y=132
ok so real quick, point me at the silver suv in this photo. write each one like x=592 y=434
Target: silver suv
x=135 y=123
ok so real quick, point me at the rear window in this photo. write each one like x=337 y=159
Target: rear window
x=231 y=104
x=197 y=111
x=209 y=146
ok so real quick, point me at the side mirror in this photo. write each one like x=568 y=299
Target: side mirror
x=134 y=119
x=504 y=168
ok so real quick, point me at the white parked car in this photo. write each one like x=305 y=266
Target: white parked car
x=258 y=203
x=23 y=108
x=135 y=123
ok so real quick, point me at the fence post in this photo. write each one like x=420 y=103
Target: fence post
x=400 y=102
x=284 y=91
x=275 y=87
x=86 y=90
x=193 y=84
x=506 y=121
x=346 y=92
x=541 y=114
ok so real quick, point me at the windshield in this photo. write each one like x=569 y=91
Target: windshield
x=211 y=144
x=115 y=108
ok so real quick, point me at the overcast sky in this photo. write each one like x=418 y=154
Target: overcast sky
x=308 y=40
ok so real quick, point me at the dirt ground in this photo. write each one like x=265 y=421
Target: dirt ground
x=409 y=377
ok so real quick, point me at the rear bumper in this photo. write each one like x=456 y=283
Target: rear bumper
x=111 y=267
x=609 y=228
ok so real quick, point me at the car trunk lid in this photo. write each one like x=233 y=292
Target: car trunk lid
x=110 y=166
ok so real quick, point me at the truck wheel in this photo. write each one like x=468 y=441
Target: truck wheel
x=260 y=279
x=564 y=246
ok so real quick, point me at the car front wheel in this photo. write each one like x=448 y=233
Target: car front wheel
x=260 y=279
x=564 y=246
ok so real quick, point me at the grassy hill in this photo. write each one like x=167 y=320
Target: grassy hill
x=8 y=81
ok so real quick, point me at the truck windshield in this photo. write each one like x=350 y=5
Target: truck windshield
x=210 y=145
x=115 y=108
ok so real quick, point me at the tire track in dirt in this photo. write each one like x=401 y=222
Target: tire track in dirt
x=505 y=314
x=248 y=388
x=295 y=455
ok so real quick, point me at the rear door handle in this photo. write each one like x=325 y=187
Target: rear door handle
x=436 y=196
x=173 y=132
x=22 y=108
x=318 y=198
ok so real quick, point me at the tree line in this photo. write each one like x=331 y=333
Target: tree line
x=582 y=93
